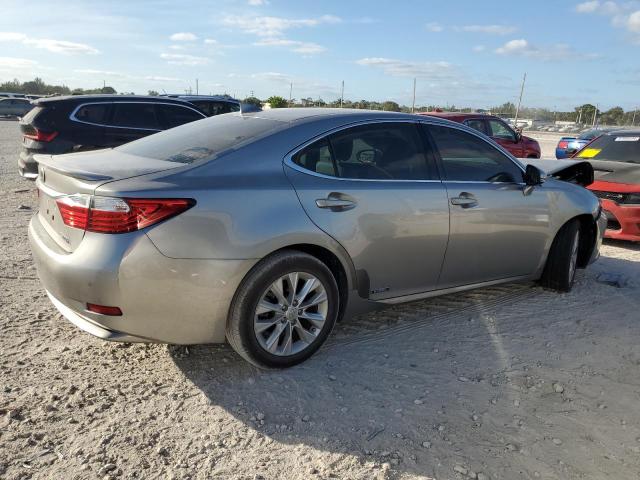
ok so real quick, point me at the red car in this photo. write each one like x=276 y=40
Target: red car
x=615 y=157
x=515 y=143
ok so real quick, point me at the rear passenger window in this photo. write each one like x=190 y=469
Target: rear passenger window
x=174 y=115
x=95 y=113
x=212 y=108
x=476 y=125
x=382 y=151
x=466 y=157
x=135 y=115
x=316 y=158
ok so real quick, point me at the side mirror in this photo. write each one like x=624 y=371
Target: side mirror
x=532 y=176
x=518 y=134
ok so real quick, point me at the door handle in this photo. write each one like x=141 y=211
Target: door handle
x=465 y=200
x=335 y=203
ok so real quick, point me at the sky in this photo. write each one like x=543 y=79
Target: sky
x=461 y=52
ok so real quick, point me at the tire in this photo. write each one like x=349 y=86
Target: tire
x=560 y=269
x=298 y=330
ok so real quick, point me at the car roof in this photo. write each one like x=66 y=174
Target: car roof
x=623 y=133
x=110 y=98
x=189 y=98
x=458 y=115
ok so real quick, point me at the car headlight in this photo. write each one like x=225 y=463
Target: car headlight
x=633 y=198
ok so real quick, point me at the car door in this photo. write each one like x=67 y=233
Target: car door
x=498 y=228
x=375 y=190
x=130 y=121
x=504 y=135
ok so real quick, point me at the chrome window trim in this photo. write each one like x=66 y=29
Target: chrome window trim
x=73 y=117
x=288 y=160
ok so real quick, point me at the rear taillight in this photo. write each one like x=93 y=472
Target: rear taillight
x=104 y=310
x=40 y=136
x=118 y=215
x=563 y=144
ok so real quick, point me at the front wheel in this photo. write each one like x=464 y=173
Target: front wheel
x=284 y=310
x=560 y=270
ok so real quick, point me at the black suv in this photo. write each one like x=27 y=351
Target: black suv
x=88 y=122
x=210 y=104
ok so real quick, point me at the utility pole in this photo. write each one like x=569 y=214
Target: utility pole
x=595 y=115
x=413 y=104
x=342 y=94
x=290 y=93
x=197 y=89
x=580 y=116
x=515 y=121
x=633 y=119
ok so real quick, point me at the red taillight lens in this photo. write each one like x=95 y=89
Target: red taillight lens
x=118 y=215
x=104 y=310
x=563 y=144
x=41 y=136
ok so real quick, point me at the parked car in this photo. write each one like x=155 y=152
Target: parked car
x=14 y=107
x=266 y=228
x=211 y=104
x=496 y=128
x=88 y=122
x=615 y=157
x=568 y=146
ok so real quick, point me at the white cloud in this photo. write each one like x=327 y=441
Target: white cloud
x=275 y=26
x=257 y=3
x=153 y=78
x=559 y=51
x=17 y=63
x=306 y=48
x=402 y=68
x=633 y=22
x=183 y=37
x=624 y=15
x=434 y=27
x=210 y=41
x=55 y=46
x=184 y=59
x=479 y=48
x=106 y=73
x=487 y=29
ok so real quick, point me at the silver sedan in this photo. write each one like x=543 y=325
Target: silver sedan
x=266 y=228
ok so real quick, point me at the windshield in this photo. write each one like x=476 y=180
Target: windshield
x=201 y=140
x=590 y=134
x=617 y=148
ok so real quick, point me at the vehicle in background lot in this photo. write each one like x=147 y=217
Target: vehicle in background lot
x=568 y=146
x=59 y=125
x=513 y=141
x=14 y=107
x=211 y=104
x=615 y=157
x=265 y=228
x=12 y=95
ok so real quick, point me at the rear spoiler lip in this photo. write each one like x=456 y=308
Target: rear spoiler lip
x=47 y=161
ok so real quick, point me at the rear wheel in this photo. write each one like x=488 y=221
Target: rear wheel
x=284 y=310
x=560 y=270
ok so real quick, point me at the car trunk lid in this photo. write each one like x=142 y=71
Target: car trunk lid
x=75 y=177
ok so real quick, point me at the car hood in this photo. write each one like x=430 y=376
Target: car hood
x=103 y=165
x=616 y=172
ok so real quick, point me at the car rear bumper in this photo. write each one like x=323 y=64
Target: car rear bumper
x=623 y=222
x=27 y=166
x=180 y=301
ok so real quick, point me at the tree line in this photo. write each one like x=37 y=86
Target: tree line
x=583 y=114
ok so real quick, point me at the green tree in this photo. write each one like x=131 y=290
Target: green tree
x=253 y=101
x=153 y=93
x=587 y=113
x=390 y=106
x=277 y=102
x=613 y=116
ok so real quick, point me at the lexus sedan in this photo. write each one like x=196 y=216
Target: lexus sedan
x=266 y=228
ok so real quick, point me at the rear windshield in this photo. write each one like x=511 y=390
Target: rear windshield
x=201 y=140
x=33 y=113
x=617 y=148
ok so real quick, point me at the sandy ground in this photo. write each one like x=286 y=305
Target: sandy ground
x=510 y=382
